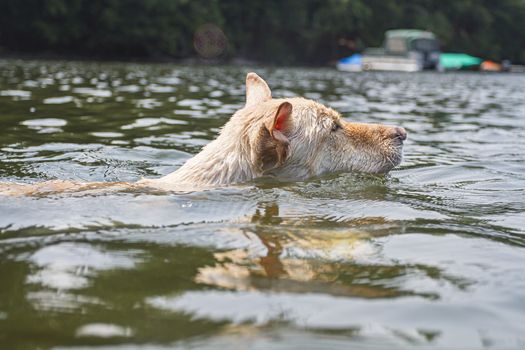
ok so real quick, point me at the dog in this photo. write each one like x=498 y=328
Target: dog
x=289 y=139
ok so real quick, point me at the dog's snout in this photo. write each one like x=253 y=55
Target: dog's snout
x=399 y=133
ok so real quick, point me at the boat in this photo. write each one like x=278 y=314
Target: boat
x=457 y=61
x=490 y=66
x=405 y=50
x=351 y=64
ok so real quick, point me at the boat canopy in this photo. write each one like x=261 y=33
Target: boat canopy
x=400 y=41
x=409 y=34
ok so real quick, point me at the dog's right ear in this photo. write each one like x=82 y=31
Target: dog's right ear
x=257 y=90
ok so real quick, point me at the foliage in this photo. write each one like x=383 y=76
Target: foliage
x=281 y=31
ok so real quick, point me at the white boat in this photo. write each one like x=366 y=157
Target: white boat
x=404 y=50
x=391 y=63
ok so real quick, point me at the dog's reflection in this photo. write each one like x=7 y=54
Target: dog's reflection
x=293 y=253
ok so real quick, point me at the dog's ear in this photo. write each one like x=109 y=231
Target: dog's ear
x=272 y=143
x=257 y=90
x=281 y=122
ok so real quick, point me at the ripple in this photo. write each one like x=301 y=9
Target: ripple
x=169 y=80
x=147 y=122
x=148 y=103
x=68 y=266
x=108 y=134
x=45 y=125
x=129 y=88
x=93 y=92
x=45 y=122
x=58 y=100
x=317 y=311
x=189 y=103
x=103 y=330
x=160 y=89
x=16 y=93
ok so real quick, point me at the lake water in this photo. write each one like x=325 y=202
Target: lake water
x=431 y=255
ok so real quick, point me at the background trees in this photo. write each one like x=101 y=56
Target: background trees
x=276 y=31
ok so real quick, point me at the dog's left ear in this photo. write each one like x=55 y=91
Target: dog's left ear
x=257 y=90
x=281 y=122
x=271 y=146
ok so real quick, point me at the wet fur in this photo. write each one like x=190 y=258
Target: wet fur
x=292 y=138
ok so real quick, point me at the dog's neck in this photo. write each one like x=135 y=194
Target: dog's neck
x=224 y=161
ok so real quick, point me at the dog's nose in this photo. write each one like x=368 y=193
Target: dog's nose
x=399 y=133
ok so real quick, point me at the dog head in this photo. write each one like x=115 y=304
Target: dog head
x=296 y=138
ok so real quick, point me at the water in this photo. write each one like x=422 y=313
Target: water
x=431 y=255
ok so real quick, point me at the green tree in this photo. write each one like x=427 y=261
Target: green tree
x=279 y=31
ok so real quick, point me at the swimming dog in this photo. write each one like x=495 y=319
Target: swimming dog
x=286 y=138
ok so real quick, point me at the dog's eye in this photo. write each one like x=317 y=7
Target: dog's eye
x=336 y=127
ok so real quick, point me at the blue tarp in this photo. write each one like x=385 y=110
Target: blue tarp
x=354 y=59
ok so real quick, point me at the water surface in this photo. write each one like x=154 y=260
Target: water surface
x=431 y=255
